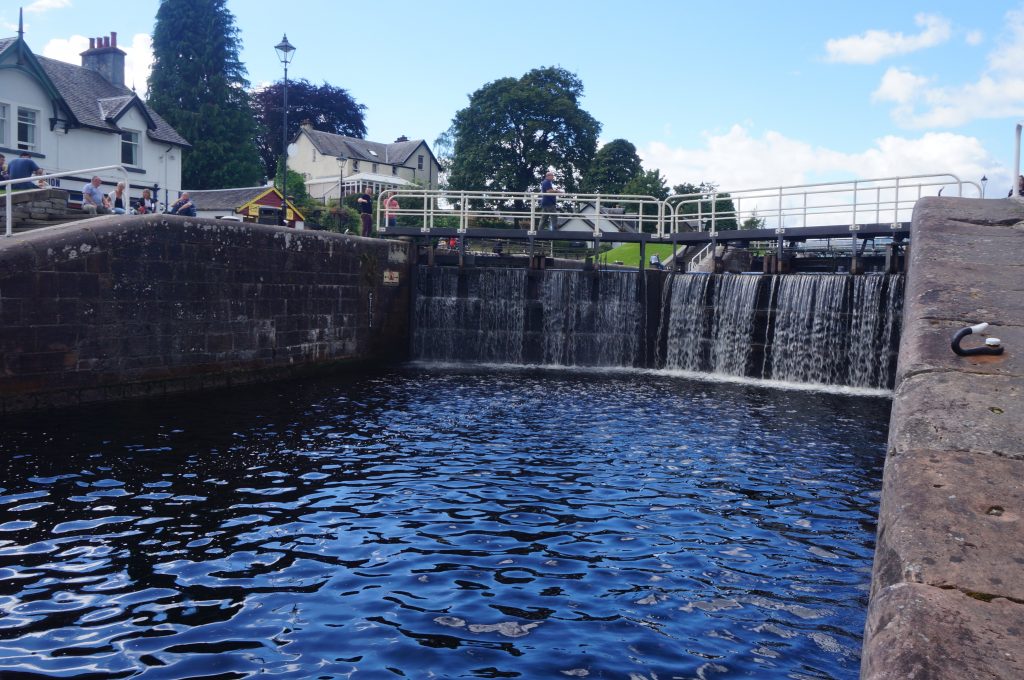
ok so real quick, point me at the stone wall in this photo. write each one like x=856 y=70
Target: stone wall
x=947 y=592
x=40 y=204
x=122 y=306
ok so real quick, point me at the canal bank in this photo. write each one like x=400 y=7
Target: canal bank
x=947 y=594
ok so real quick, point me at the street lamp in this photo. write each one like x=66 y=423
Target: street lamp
x=984 y=182
x=284 y=53
x=341 y=178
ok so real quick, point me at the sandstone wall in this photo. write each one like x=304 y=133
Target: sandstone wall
x=947 y=594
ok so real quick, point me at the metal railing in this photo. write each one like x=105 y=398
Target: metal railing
x=463 y=210
x=35 y=178
x=887 y=200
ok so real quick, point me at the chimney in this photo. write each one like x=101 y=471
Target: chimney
x=403 y=138
x=104 y=57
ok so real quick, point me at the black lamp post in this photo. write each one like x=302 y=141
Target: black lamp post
x=284 y=53
x=984 y=183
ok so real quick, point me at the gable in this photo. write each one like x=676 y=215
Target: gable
x=17 y=57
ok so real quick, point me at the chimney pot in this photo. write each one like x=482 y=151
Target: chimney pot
x=92 y=43
x=106 y=41
x=113 y=38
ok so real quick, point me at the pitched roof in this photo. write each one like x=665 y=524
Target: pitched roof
x=225 y=199
x=97 y=103
x=330 y=144
x=92 y=100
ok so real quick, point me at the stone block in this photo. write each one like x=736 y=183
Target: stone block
x=956 y=411
x=915 y=632
x=952 y=520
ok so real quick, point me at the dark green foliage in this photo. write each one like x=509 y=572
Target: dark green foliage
x=614 y=166
x=198 y=85
x=723 y=208
x=328 y=108
x=514 y=129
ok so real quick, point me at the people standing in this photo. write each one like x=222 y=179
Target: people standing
x=20 y=168
x=365 y=202
x=3 y=168
x=93 y=199
x=119 y=199
x=548 y=206
x=390 y=206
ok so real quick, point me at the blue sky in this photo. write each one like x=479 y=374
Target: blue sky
x=740 y=93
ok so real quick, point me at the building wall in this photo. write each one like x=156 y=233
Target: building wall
x=83 y=148
x=323 y=170
x=153 y=304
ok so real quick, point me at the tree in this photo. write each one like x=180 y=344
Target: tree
x=647 y=183
x=198 y=86
x=328 y=108
x=515 y=129
x=722 y=207
x=615 y=164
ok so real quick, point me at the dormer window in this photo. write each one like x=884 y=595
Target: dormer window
x=372 y=152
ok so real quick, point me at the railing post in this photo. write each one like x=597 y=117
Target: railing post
x=10 y=217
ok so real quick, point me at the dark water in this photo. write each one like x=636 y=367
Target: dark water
x=430 y=523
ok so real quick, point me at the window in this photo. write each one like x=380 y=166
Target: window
x=394 y=169
x=419 y=162
x=355 y=166
x=3 y=124
x=375 y=168
x=27 y=129
x=130 y=148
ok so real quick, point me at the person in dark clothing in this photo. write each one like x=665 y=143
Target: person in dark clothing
x=20 y=168
x=548 y=207
x=183 y=206
x=365 y=202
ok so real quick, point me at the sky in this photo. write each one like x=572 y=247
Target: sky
x=742 y=94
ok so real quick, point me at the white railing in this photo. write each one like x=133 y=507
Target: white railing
x=888 y=200
x=463 y=210
x=35 y=178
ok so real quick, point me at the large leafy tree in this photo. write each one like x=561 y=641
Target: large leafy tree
x=514 y=129
x=328 y=108
x=615 y=164
x=198 y=85
x=710 y=201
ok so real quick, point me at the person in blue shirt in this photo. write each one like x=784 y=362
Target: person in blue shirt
x=20 y=168
x=183 y=206
x=94 y=201
x=547 y=202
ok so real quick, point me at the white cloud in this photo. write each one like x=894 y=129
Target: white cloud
x=40 y=6
x=138 y=59
x=737 y=160
x=873 y=46
x=997 y=93
x=974 y=38
x=899 y=86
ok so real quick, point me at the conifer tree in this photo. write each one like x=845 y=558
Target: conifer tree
x=198 y=85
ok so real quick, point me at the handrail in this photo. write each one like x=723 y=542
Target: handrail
x=55 y=175
x=886 y=200
x=467 y=206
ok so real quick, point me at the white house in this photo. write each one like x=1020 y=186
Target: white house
x=77 y=117
x=327 y=161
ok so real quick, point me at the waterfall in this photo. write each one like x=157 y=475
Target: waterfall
x=834 y=329
x=733 y=331
x=485 y=324
x=590 y=319
x=687 y=305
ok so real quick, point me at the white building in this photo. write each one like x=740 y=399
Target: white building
x=327 y=161
x=71 y=117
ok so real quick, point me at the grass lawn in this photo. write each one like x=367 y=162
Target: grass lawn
x=629 y=253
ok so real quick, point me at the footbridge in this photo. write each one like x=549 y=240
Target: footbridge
x=857 y=211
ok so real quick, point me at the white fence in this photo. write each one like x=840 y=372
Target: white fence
x=88 y=172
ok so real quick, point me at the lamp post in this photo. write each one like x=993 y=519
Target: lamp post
x=284 y=53
x=341 y=178
x=984 y=182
